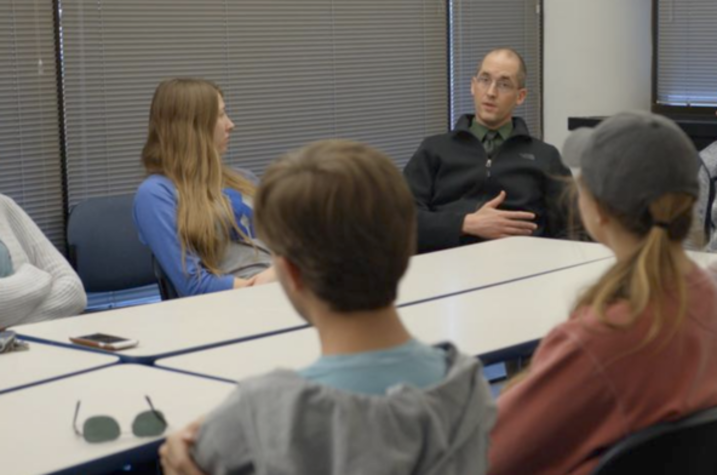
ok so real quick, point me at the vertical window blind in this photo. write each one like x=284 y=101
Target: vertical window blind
x=292 y=71
x=30 y=164
x=478 y=27
x=686 y=54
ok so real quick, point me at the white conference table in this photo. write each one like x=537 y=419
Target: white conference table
x=36 y=434
x=199 y=323
x=179 y=325
x=490 y=321
x=452 y=271
x=42 y=363
x=495 y=323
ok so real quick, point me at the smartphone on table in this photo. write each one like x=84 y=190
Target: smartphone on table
x=104 y=341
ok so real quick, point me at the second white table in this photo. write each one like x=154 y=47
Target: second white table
x=491 y=321
x=36 y=434
x=42 y=363
x=202 y=322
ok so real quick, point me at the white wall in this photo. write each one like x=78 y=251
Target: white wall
x=597 y=60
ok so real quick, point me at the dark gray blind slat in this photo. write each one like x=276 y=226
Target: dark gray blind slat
x=292 y=71
x=687 y=58
x=479 y=27
x=30 y=169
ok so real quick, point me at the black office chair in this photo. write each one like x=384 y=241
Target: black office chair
x=684 y=447
x=166 y=289
x=104 y=248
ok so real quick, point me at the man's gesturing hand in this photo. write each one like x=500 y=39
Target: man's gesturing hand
x=491 y=223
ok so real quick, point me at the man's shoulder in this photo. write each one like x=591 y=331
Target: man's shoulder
x=538 y=149
x=520 y=129
x=278 y=382
x=439 y=139
x=277 y=389
x=442 y=138
x=437 y=148
x=541 y=146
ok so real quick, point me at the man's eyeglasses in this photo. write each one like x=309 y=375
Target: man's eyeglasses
x=105 y=428
x=502 y=85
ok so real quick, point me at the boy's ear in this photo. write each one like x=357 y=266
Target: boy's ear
x=289 y=273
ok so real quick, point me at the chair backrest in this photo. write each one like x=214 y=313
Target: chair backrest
x=687 y=447
x=166 y=288
x=104 y=247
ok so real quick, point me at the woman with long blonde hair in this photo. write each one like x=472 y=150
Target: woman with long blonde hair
x=640 y=346
x=193 y=211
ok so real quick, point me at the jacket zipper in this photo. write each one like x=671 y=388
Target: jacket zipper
x=489 y=162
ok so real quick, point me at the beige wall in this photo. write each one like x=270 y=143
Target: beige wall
x=598 y=56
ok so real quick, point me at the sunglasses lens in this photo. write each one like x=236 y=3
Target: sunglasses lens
x=100 y=429
x=149 y=424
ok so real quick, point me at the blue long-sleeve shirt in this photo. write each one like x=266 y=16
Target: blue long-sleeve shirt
x=155 y=215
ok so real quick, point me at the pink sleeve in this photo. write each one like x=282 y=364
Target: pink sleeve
x=555 y=419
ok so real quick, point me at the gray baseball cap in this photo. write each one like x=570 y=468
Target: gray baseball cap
x=632 y=158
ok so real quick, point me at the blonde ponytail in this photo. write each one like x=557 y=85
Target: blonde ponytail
x=652 y=273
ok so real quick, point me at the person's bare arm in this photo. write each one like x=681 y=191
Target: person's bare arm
x=175 y=452
x=264 y=277
x=241 y=283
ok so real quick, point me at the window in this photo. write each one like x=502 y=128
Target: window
x=686 y=58
x=292 y=72
x=30 y=164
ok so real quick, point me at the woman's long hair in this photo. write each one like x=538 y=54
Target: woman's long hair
x=649 y=277
x=652 y=275
x=180 y=145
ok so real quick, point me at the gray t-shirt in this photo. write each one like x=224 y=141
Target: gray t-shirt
x=242 y=259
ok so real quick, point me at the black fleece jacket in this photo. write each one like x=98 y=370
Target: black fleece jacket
x=451 y=176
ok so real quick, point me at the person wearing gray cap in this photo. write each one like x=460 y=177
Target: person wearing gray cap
x=640 y=345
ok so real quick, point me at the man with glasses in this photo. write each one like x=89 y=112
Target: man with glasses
x=488 y=178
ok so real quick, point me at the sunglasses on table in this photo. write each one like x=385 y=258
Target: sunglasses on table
x=10 y=343
x=98 y=429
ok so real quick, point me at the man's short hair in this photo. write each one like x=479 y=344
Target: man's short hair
x=522 y=69
x=341 y=212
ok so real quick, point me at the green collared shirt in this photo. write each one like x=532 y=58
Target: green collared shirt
x=480 y=131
